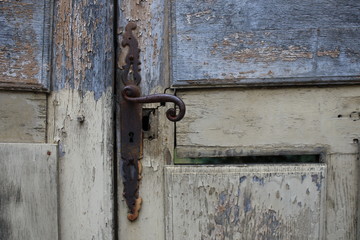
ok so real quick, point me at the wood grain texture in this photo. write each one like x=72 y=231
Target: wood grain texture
x=81 y=117
x=25 y=44
x=342 y=199
x=236 y=122
x=277 y=42
x=23 y=117
x=28 y=191
x=246 y=202
x=83 y=46
x=266 y=118
x=86 y=194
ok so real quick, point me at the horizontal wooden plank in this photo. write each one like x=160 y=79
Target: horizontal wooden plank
x=237 y=121
x=25 y=44
x=28 y=191
x=246 y=202
x=277 y=42
x=23 y=117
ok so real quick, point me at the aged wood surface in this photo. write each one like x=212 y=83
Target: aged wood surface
x=260 y=42
x=80 y=117
x=151 y=19
x=265 y=118
x=22 y=117
x=25 y=44
x=28 y=191
x=239 y=122
x=342 y=200
x=246 y=202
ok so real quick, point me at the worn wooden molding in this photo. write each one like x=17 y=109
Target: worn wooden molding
x=25 y=44
x=257 y=43
x=28 y=191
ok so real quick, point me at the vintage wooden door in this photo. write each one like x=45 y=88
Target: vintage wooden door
x=272 y=100
x=259 y=78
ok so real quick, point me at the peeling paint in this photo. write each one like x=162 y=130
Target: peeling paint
x=24 y=45
x=229 y=214
x=269 y=54
x=84 y=51
x=242 y=179
x=258 y=180
x=330 y=53
x=292 y=43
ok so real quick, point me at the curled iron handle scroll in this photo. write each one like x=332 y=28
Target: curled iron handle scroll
x=131 y=93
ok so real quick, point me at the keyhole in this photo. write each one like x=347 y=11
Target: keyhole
x=131 y=135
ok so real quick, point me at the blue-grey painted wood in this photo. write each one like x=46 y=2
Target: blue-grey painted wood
x=259 y=42
x=83 y=52
x=25 y=44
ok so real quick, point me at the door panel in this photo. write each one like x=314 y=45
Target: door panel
x=259 y=42
x=25 y=40
x=28 y=191
x=257 y=122
x=23 y=117
x=246 y=202
x=234 y=120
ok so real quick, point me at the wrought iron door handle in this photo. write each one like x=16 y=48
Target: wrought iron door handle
x=131 y=121
x=131 y=93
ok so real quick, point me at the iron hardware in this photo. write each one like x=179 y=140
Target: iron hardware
x=131 y=121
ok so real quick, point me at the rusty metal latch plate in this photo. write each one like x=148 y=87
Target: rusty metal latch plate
x=131 y=121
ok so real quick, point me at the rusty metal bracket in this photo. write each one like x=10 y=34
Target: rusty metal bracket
x=131 y=121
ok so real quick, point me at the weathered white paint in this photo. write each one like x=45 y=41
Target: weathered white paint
x=85 y=162
x=80 y=116
x=28 y=191
x=22 y=117
x=246 y=202
x=277 y=42
x=342 y=196
x=265 y=118
x=235 y=122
